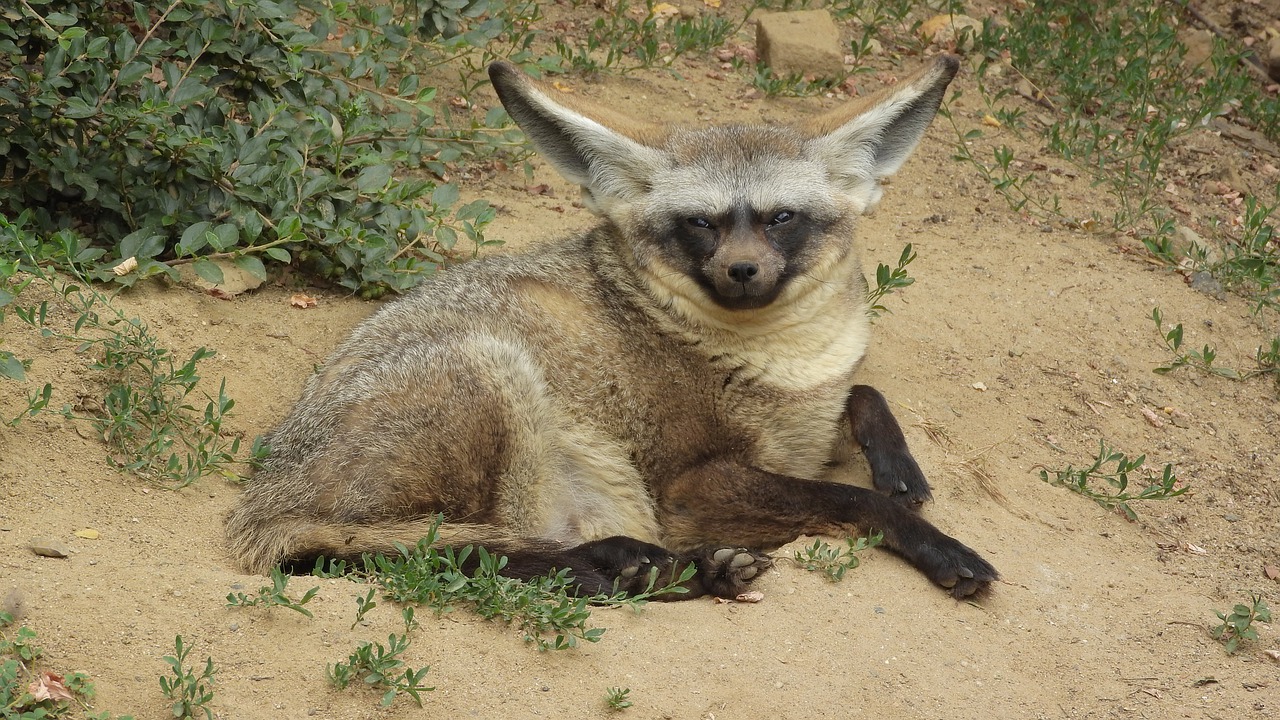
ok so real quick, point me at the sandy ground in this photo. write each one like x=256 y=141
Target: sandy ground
x=1096 y=617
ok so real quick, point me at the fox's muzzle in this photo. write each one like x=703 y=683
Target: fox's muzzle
x=745 y=270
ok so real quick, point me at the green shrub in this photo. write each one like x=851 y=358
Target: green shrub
x=174 y=131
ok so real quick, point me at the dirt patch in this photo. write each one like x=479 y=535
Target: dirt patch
x=1096 y=616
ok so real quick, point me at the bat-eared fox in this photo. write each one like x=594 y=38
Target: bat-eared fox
x=673 y=386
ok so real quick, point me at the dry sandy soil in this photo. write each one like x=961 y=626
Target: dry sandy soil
x=1095 y=617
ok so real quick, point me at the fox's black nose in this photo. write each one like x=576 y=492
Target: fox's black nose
x=743 y=272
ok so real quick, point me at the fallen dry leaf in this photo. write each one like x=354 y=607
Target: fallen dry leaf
x=751 y=596
x=711 y=3
x=980 y=387
x=665 y=10
x=302 y=301
x=1274 y=654
x=1194 y=549
x=87 y=534
x=561 y=86
x=49 y=686
x=125 y=267
x=991 y=121
x=220 y=293
x=1272 y=572
x=542 y=189
x=1152 y=418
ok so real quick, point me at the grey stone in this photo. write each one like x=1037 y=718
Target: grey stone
x=49 y=547
x=1206 y=283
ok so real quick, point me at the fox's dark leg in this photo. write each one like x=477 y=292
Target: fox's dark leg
x=727 y=502
x=893 y=470
x=629 y=565
x=720 y=571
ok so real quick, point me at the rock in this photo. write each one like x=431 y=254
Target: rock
x=1188 y=243
x=1226 y=173
x=949 y=30
x=49 y=547
x=14 y=604
x=803 y=42
x=235 y=280
x=1205 y=282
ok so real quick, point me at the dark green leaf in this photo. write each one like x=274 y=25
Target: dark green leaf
x=208 y=270
x=60 y=19
x=11 y=366
x=373 y=178
x=193 y=239
x=252 y=265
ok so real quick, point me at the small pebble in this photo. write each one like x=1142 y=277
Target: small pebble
x=1232 y=517
x=1207 y=284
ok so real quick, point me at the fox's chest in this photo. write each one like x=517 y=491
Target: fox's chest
x=790 y=400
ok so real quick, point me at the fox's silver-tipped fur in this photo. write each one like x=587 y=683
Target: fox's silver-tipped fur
x=672 y=383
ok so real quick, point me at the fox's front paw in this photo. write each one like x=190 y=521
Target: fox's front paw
x=955 y=566
x=725 y=572
x=898 y=475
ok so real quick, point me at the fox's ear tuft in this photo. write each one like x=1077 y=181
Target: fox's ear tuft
x=869 y=140
x=608 y=163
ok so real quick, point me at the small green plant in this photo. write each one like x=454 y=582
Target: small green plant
x=380 y=666
x=834 y=562
x=29 y=693
x=363 y=606
x=1237 y=627
x=547 y=609
x=771 y=84
x=1086 y=481
x=146 y=415
x=1201 y=359
x=617 y=698
x=1266 y=358
x=274 y=596
x=889 y=280
x=1016 y=187
x=1252 y=263
x=623 y=41
x=189 y=693
x=1119 y=124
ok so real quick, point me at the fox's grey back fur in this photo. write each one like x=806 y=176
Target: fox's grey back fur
x=550 y=398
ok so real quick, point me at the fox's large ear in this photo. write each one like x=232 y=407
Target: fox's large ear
x=610 y=161
x=868 y=140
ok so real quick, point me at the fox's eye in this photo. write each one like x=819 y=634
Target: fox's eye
x=699 y=222
x=781 y=218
